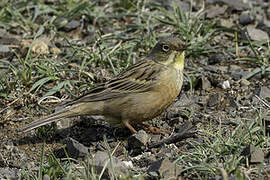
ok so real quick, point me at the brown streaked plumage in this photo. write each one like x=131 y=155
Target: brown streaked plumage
x=138 y=94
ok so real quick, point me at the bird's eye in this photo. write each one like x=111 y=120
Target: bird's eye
x=165 y=48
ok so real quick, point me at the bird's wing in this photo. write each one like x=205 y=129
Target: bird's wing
x=141 y=77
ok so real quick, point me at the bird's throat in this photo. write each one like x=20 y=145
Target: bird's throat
x=179 y=61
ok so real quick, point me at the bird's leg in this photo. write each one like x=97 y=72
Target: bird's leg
x=155 y=130
x=130 y=127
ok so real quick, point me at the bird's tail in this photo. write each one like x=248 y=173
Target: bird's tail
x=63 y=113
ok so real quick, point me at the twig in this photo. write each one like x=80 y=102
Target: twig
x=9 y=104
x=223 y=172
x=182 y=134
x=107 y=162
x=53 y=99
x=262 y=101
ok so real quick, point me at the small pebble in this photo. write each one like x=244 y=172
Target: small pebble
x=244 y=82
x=226 y=85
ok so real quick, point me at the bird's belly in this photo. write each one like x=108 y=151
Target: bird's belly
x=140 y=107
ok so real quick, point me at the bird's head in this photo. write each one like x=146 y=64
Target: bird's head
x=169 y=51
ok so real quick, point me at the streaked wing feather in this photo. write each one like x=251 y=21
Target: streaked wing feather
x=139 y=78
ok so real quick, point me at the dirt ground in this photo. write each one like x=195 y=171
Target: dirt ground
x=51 y=52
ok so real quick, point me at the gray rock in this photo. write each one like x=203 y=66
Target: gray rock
x=8 y=173
x=155 y=137
x=138 y=141
x=256 y=34
x=73 y=24
x=227 y=23
x=97 y=118
x=263 y=92
x=267 y=24
x=60 y=22
x=214 y=100
x=244 y=82
x=169 y=151
x=206 y=84
x=254 y=154
x=245 y=19
x=215 y=69
x=225 y=84
x=46 y=177
x=235 y=4
x=215 y=11
x=238 y=74
x=170 y=4
x=4 y=51
x=165 y=168
x=268 y=13
x=216 y=58
x=73 y=148
x=184 y=100
x=7 y=39
x=113 y=166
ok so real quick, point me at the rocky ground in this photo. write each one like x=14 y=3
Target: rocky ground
x=51 y=52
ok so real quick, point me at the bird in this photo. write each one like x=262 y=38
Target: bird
x=140 y=93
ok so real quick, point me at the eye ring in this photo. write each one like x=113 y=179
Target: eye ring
x=165 y=48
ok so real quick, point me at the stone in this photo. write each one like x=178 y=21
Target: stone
x=215 y=69
x=8 y=173
x=128 y=164
x=268 y=13
x=235 y=4
x=60 y=22
x=216 y=58
x=184 y=100
x=238 y=74
x=214 y=100
x=263 y=92
x=46 y=177
x=244 y=82
x=112 y=165
x=245 y=19
x=169 y=151
x=256 y=34
x=254 y=154
x=8 y=39
x=4 y=51
x=55 y=50
x=205 y=83
x=225 y=84
x=228 y=23
x=73 y=24
x=73 y=148
x=137 y=142
x=155 y=138
x=215 y=11
x=40 y=47
x=165 y=168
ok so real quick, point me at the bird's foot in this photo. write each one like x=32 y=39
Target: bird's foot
x=155 y=130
